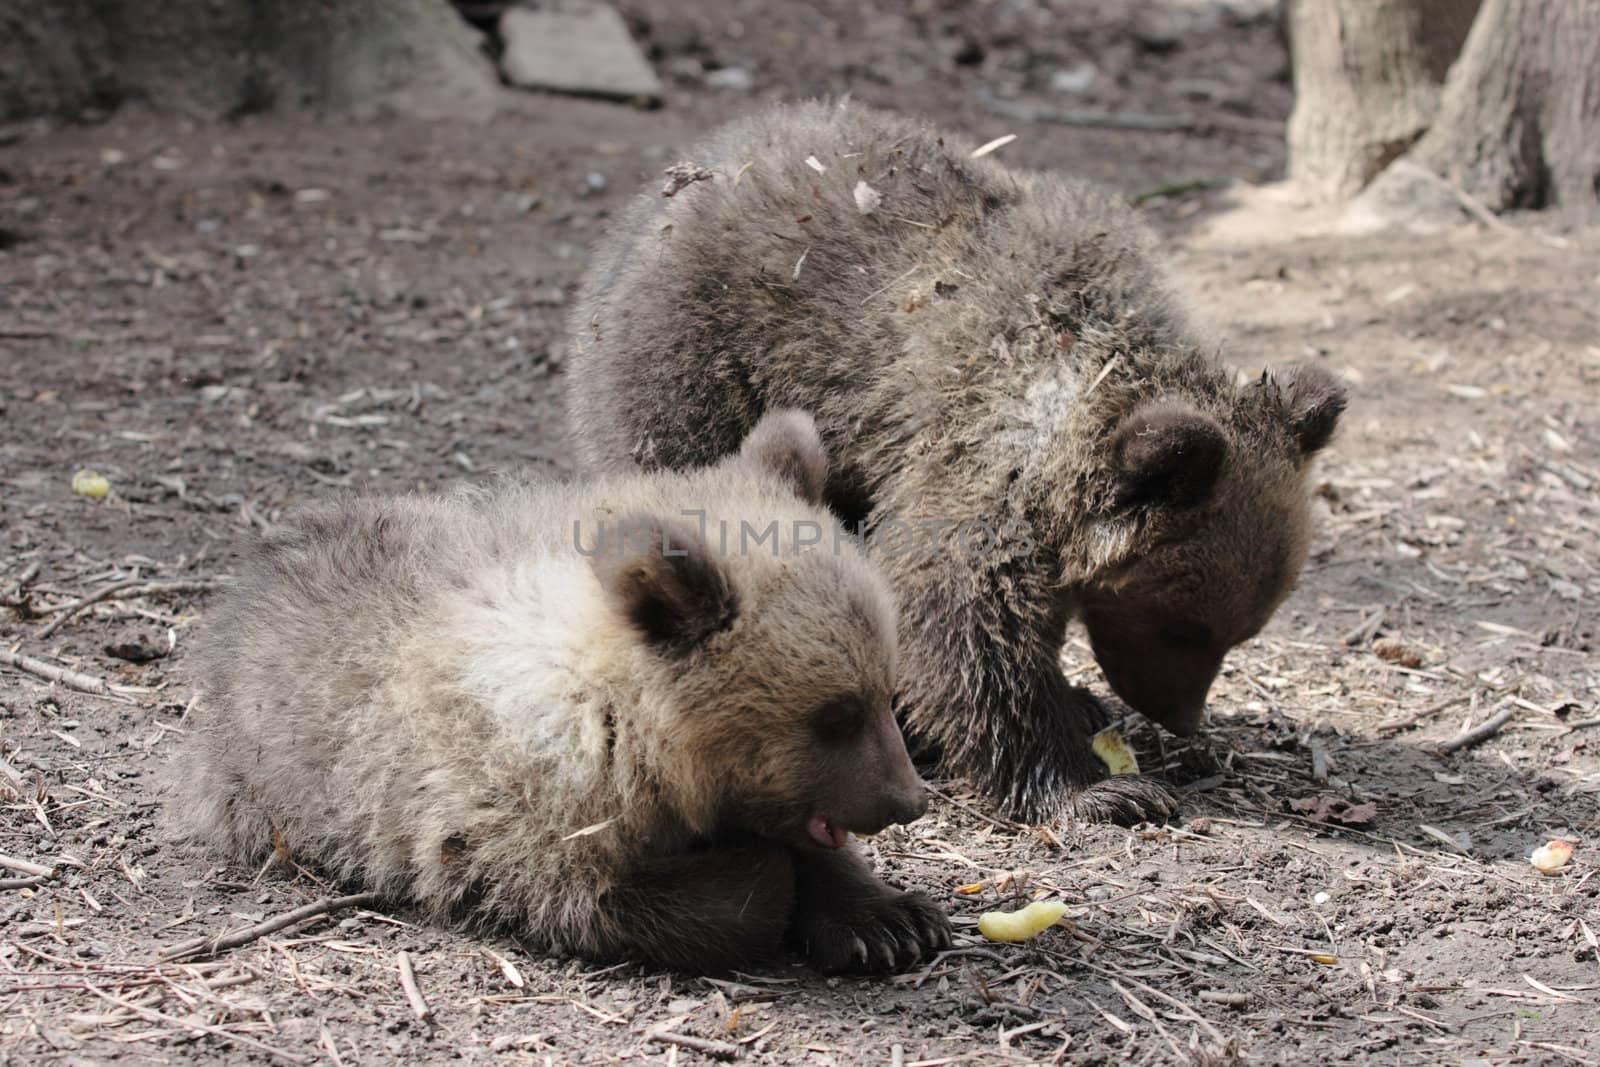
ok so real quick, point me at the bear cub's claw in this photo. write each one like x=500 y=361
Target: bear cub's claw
x=883 y=933
x=1125 y=800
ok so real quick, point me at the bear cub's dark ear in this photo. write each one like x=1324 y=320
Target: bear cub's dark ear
x=1312 y=400
x=785 y=445
x=662 y=579
x=1167 y=454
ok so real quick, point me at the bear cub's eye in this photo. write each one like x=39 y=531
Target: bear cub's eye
x=840 y=720
x=1186 y=634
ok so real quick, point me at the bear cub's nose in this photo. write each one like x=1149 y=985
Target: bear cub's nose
x=907 y=805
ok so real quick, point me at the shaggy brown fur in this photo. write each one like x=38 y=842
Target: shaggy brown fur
x=489 y=704
x=984 y=346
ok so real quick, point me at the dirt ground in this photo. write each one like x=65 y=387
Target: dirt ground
x=229 y=320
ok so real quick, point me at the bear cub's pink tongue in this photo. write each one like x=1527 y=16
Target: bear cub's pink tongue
x=827 y=833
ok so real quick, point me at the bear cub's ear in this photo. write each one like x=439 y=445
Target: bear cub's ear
x=662 y=579
x=1312 y=401
x=1167 y=454
x=785 y=445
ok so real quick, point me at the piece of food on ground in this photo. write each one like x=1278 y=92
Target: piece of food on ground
x=91 y=484
x=1022 y=924
x=1551 y=856
x=1114 y=752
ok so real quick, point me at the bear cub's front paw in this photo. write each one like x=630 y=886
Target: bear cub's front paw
x=888 y=932
x=1125 y=800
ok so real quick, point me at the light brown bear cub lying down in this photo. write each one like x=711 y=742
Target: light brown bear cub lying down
x=581 y=712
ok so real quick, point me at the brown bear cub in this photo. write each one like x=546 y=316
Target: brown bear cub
x=637 y=718
x=1018 y=408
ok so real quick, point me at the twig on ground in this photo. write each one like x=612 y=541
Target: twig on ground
x=1177 y=188
x=27 y=867
x=23 y=883
x=12 y=776
x=1147 y=1013
x=720 y=1049
x=1319 y=761
x=1364 y=630
x=1481 y=732
x=974 y=812
x=84 y=683
x=1471 y=204
x=126 y=590
x=210 y=946
x=192 y=1023
x=408 y=982
x=1426 y=713
x=13 y=595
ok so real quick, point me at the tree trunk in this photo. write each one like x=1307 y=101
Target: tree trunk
x=1519 y=121
x=54 y=57
x=218 y=57
x=1367 y=79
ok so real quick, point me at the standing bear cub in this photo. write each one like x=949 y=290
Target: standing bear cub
x=999 y=365
x=631 y=718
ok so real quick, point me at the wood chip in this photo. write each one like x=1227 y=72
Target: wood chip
x=408 y=982
x=992 y=146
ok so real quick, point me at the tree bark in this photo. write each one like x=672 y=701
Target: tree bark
x=1367 y=79
x=218 y=57
x=54 y=57
x=1519 y=121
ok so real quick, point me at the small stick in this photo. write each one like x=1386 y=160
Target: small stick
x=210 y=946
x=194 y=1024
x=970 y=810
x=1177 y=188
x=408 y=982
x=1426 y=713
x=1481 y=732
x=332 y=1047
x=27 y=867
x=1366 y=628
x=15 y=587
x=84 y=683
x=997 y=143
x=1319 y=761
x=11 y=774
x=720 y=1049
x=1232 y=1000
x=1472 y=205
x=980 y=953
x=23 y=883
x=129 y=589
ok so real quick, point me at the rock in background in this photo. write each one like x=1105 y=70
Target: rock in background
x=225 y=57
x=579 y=48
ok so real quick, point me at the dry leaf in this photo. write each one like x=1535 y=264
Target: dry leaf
x=1335 y=810
x=1397 y=651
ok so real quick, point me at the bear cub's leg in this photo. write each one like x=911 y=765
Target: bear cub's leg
x=729 y=907
x=704 y=911
x=846 y=919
